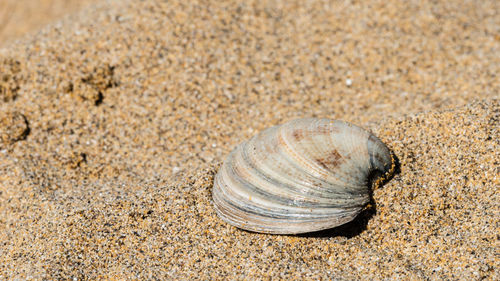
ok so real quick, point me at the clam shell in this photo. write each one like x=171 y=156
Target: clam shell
x=302 y=176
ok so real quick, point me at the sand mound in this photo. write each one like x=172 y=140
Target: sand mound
x=112 y=125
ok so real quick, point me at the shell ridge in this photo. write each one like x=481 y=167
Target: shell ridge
x=291 y=157
x=353 y=151
x=357 y=151
x=303 y=183
x=257 y=190
x=267 y=171
x=321 y=173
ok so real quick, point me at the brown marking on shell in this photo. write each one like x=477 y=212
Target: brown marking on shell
x=326 y=129
x=298 y=134
x=331 y=160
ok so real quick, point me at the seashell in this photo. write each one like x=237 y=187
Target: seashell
x=302 y=176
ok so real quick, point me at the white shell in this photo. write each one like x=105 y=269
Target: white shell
x=305 y=175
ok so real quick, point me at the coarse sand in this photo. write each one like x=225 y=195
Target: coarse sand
x=114 y=120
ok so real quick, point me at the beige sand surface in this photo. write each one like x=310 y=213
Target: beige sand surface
x=19 y=17
x=113 y=122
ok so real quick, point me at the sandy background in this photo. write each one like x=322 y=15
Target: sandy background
x=20 y=17
x=114 y=119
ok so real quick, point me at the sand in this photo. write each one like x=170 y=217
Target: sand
x=19 y=18
x=114 y=120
